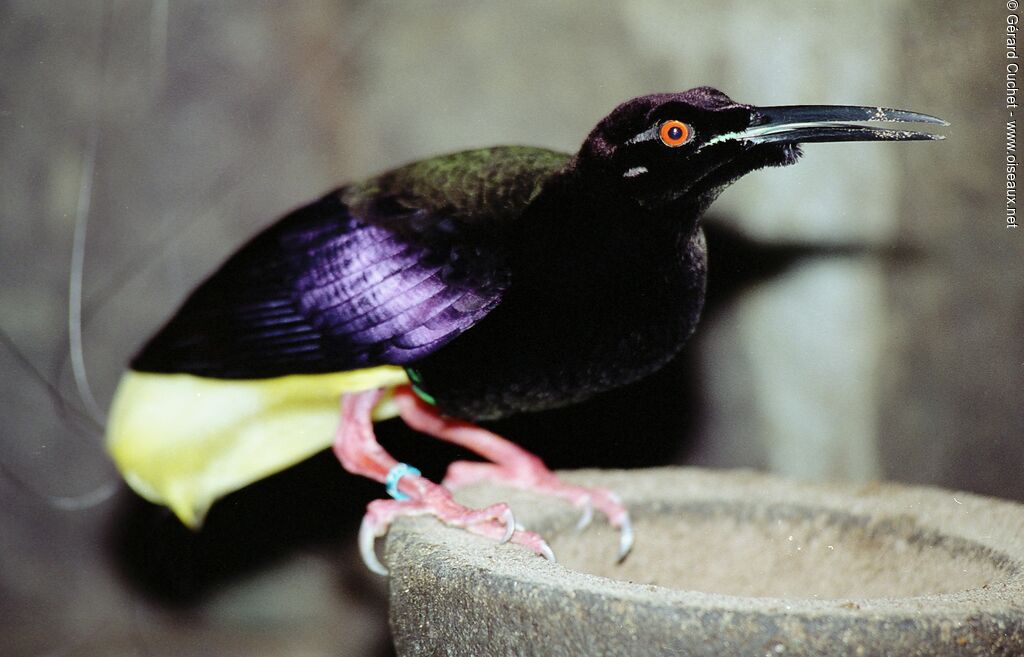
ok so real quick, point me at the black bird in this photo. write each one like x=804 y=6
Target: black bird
x=463 y=287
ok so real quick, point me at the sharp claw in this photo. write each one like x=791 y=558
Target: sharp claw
x=586 y=516
x=625 y=538
x=547 y=552
x=367 y=539
x=510 y=526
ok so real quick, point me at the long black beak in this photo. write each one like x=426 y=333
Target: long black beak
x=810 y=123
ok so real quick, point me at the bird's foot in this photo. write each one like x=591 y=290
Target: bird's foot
x=509 y=464
x=534 y=476
x=495 y=522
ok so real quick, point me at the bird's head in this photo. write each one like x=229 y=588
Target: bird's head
x=689 y=146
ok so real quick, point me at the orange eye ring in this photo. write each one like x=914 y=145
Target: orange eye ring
x=674 y=133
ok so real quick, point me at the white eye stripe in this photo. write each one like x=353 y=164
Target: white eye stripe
x=646 y=135
x=635 y=171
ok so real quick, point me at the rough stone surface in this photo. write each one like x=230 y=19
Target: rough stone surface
x=725 y=563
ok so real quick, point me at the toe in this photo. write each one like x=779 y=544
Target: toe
x=533 y=542
x=625 y=537
x=587 y=515
x=367 y=546
x=510 y=526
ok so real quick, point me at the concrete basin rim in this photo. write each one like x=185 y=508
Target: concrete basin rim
x=543 y=575
x=498 y=563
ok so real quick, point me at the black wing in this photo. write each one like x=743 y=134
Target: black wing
x=356 y=279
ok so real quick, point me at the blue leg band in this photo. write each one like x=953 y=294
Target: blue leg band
x=395 y=475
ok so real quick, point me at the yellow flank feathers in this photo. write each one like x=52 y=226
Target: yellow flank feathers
x=184 y=441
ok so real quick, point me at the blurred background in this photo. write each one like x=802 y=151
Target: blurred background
x=865 y=309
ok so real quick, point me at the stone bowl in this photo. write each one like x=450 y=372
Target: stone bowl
x=729 y=563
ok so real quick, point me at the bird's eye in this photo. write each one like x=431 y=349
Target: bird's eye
x=674 y=133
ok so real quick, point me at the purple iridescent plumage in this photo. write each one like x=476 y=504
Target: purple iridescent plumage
x=322 y=291
x=388 y=298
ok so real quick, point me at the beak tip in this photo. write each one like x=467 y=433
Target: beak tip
x=934 y=120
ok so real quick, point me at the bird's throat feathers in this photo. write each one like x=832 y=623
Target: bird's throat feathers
x=586 y=231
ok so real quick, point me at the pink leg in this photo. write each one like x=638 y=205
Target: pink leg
x=511 y=465
x=359 y=453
